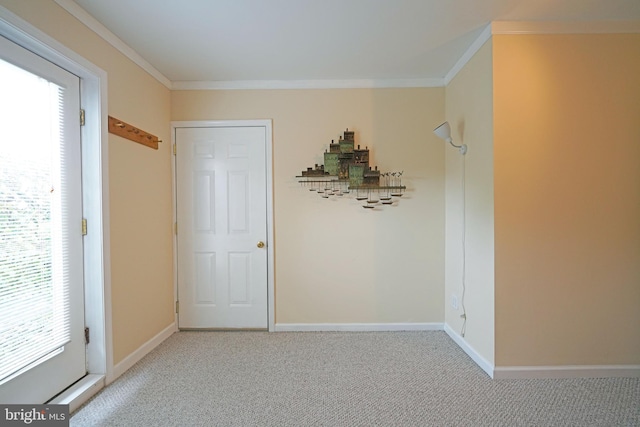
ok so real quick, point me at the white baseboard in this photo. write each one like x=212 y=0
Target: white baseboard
x=356 y=327
x=483 y=363
x=141 y=352
x=569 y=371
x=541 y=372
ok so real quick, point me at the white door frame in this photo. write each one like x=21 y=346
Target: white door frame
x=267 y=124
x=95 y=182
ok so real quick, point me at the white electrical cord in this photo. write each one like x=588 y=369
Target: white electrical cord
x=464 y=248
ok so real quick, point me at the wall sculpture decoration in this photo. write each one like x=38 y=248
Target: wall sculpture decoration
x=346 y=172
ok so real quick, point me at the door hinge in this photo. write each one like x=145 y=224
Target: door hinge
x=175 y=228
x=87 y=337
x=177 y=306
x=175 y=149
x=84 y=226
x=81 y=117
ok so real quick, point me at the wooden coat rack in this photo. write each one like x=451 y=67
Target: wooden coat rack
x=125 y=130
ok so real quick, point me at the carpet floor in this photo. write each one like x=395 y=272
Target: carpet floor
x=343 y=379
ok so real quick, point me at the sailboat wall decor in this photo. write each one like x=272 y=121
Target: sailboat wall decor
x=346 y=171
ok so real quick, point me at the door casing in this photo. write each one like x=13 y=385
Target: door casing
x=267 y=124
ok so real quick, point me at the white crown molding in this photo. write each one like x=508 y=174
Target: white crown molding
x=306 y=84
x=468 y=54
x=95 y=26
x=496 y=27
x=564 y=27
x=356 y=327
x=540 y=27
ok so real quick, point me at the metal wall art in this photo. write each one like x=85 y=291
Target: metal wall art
x=346 y=171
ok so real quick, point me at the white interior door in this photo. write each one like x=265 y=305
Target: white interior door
x=42 y=348
x=222 y=227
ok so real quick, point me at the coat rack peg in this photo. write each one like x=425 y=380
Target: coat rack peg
x=125 y=130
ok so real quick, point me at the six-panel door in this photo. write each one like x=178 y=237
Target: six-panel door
x=221 y=216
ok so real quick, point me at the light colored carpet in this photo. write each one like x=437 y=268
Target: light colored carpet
x=343 y=379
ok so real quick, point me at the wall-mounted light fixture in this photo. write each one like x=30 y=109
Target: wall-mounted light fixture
x=444 y=131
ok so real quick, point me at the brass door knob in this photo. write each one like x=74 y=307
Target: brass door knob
x=261 y=245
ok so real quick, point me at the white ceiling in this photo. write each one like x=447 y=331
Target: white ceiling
x=270 y=40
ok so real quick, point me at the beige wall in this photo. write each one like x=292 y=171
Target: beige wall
x=567 y=199
x=554 y=140
x=336 y=262
x=469 y=110
x=139 y=181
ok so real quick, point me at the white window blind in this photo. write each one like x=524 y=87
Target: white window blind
x=34 y=296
